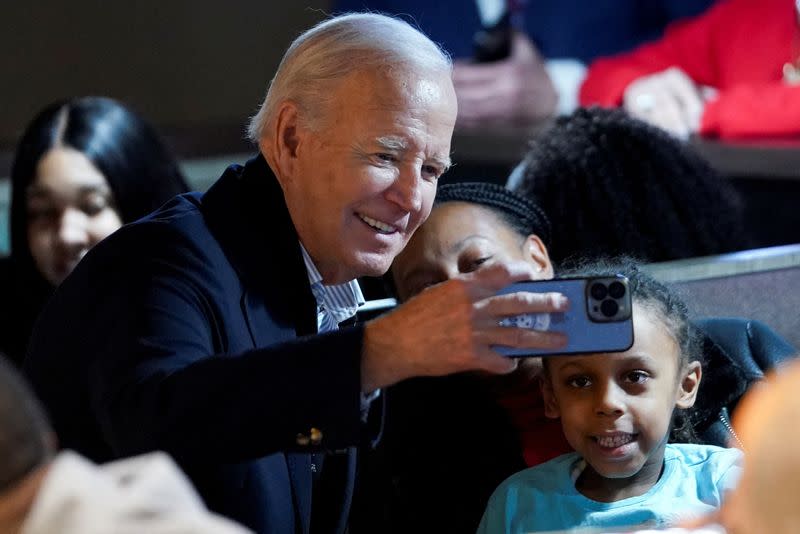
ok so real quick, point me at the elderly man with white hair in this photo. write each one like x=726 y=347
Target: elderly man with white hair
x=210 y=329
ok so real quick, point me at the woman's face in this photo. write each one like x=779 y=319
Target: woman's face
x=458 y=238
x=70 y=208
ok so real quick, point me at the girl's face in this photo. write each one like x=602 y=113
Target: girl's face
x=616 y=408
x=70 y=208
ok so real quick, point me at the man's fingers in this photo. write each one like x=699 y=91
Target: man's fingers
x=500 y=306
x=499 y=365
x=489 y=280
x=521 y=338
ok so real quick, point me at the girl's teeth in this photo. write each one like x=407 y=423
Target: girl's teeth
x=614 y=441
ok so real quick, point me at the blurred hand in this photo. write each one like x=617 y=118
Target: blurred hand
x=451 y=327
x=513 y=90
x=668 y=99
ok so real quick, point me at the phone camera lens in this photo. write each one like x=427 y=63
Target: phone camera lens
x=609 y=308
x=616 y=290
x=599 y=291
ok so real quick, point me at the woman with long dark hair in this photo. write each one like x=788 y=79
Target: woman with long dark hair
x=83 y=168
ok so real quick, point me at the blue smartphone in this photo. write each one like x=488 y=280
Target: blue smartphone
x=598 y=319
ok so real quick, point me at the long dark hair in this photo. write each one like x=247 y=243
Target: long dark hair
x=141 y=172
x=612 y=185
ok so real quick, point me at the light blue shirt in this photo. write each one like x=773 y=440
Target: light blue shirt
x=544 y=498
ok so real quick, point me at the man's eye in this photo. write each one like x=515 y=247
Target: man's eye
x=431 y=171
x=385 y=157
x=579 y=382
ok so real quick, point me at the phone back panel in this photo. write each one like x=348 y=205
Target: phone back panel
x=585 y=334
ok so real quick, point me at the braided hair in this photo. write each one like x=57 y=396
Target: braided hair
x=615 y=185
x=521 y=214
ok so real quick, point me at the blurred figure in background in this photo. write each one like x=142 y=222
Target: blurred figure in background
x=521 y=62
x=42 y=492
x=731 y=72
x=612 y=185
x=766 y=499
x=83 y=168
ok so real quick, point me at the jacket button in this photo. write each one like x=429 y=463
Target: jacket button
x=302 y=440
x=315 y=435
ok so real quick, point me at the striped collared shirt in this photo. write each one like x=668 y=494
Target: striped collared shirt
x=334 y=303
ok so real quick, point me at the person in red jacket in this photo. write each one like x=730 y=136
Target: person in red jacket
x=732 y=72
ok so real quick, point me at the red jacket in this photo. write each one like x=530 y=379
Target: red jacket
x=738 y=47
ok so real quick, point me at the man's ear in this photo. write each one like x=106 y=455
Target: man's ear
x=551 y=408
x=535 y=251
x=280 y=145
x=690 y=384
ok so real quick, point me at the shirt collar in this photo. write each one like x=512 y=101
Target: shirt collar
x=341 y=301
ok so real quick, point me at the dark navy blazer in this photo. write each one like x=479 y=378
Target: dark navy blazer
x=184 y=332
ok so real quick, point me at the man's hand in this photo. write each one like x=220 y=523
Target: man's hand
x=668 y=99
x=451 y=328
x=514 y=90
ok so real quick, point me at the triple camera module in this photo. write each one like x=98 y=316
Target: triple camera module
x=608 y=300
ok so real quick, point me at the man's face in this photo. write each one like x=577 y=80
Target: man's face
x=460 y=237
x=363 y=181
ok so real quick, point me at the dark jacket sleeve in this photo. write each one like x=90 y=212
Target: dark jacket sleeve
x=173 y=365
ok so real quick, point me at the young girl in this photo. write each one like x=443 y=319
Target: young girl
x=616 y=410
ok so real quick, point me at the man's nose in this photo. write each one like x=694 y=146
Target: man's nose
x=72 y=228
x=406 y=191
x=609 y=399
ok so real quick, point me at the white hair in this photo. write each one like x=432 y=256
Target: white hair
x=337 y=47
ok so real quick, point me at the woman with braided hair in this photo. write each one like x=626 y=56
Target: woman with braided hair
x=448 y=442
x=612 y=184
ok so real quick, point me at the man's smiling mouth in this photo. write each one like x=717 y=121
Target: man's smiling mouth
x=377 y=225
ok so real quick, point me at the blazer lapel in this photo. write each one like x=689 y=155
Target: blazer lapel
x=262 y=245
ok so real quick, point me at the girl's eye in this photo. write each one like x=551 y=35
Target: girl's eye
x=579 y=382
x=637 y=377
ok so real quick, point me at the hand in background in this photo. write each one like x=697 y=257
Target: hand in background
x=451 y=327
x=668 y=99
x=514 y=90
